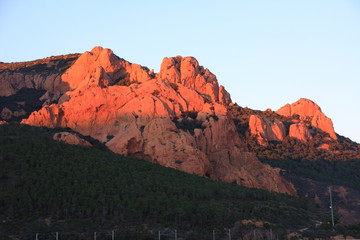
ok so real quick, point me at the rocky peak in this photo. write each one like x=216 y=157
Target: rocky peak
x=309 y=113
x=102 y=67
x=303 y=107
x=187 y=72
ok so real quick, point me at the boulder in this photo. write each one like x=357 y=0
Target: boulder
x=71 y=138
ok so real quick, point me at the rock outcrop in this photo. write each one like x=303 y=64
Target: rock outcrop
x=71 y=138
x=310 y=113
x=187 y=72
x=304 y=117
x=108 y=68
x=44 y=74
x=266 y=129
x=176 y=118
x=300 y=132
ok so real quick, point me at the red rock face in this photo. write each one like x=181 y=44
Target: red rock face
x=300 y=131
x=187 y=72
x=310 y=112
x=106 y=67
x=148 y=118
x=266 y=130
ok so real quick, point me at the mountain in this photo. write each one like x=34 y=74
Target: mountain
x=183 y=119
x=177 y=117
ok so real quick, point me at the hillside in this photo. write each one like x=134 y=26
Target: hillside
x=178 y=112
x=180 y=118
x=306 y=164
x=68 y=185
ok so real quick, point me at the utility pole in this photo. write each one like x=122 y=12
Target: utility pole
x=57 y=235
x=213 y=234
x=331 y=208
x=229 y=234
x=159 y=234
x=113 y=235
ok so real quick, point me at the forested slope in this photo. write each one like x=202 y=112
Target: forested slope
x=41 y=178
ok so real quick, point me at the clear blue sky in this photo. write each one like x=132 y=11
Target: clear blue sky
x=266 y=53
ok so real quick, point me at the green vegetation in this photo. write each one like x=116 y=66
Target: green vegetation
x=42 y=178
x=188 y=124
x=344 y=173
x=25 y=101
x=291 y=148
x=321 y=158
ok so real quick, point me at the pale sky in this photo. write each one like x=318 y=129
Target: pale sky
x=265 y=53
